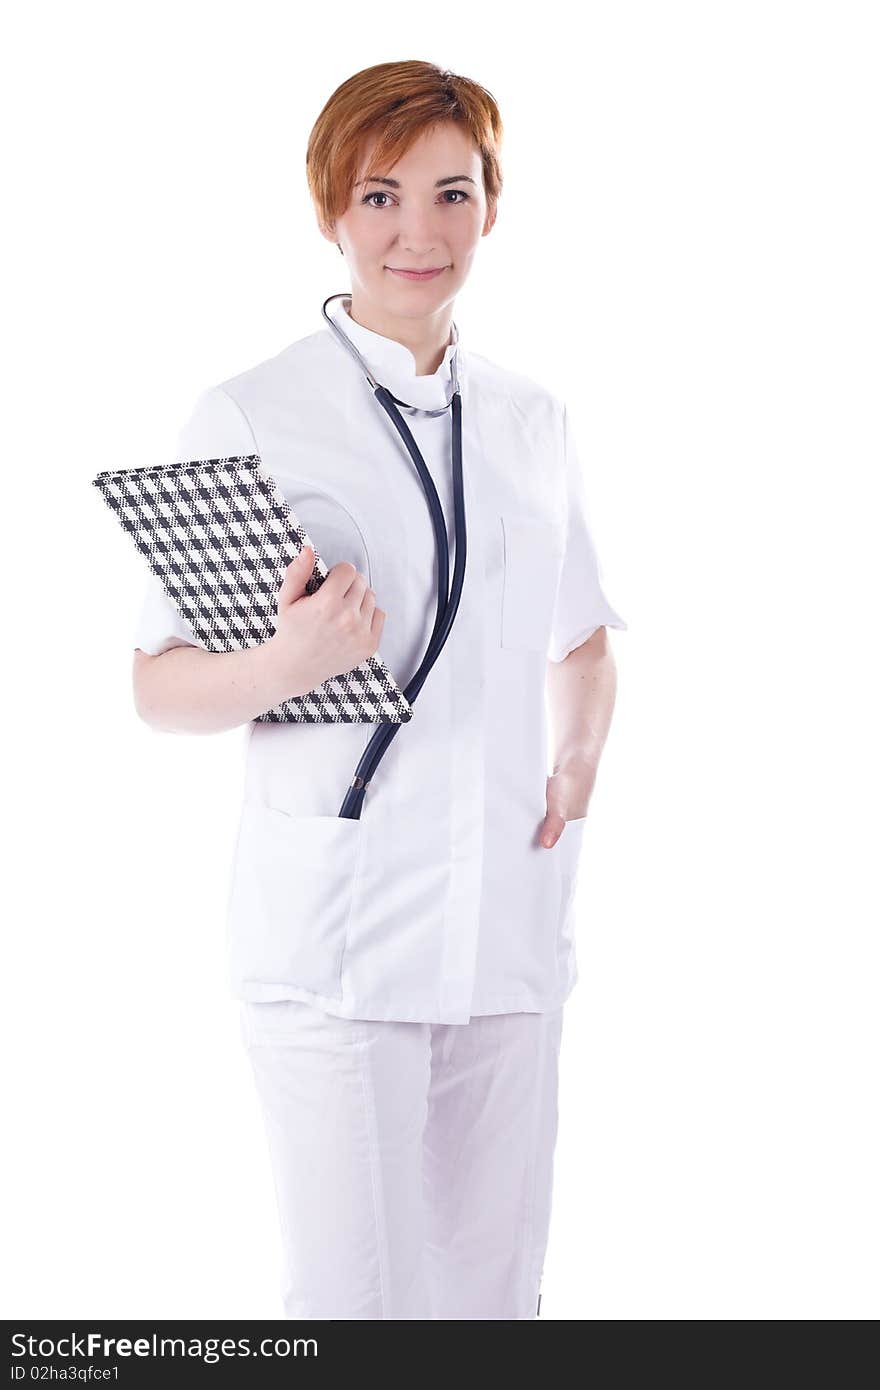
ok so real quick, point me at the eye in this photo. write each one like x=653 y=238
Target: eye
x=378 y=193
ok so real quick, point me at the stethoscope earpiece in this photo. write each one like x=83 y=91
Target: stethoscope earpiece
x=346 y=342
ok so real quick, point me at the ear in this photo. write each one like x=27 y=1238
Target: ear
x=329 y=232
x=490 y=220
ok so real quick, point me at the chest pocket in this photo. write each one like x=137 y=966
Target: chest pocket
x=532 y=559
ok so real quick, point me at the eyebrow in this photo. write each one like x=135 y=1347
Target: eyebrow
x=441 y=183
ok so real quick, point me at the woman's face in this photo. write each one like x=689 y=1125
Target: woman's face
x=427 y=212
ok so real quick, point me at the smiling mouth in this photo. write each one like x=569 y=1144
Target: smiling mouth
x=416 y=274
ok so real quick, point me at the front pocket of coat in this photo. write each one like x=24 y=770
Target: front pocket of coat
x=569 y=847
x=532 y=559
x=291 y=896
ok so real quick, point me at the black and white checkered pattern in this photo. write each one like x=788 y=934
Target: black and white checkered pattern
x=219 y=534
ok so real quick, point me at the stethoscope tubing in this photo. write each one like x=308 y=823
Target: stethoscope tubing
x=447 y=599
x=447 y=608
x=343 y=338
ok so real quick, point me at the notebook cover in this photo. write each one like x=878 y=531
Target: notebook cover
x=219 y=534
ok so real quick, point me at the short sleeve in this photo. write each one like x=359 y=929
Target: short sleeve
x=216 y=428
x=581 y=603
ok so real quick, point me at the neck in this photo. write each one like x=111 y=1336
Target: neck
x=427 y=338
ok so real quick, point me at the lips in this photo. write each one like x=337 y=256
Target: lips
x=416 y=274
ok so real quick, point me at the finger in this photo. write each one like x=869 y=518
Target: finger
x=551 y=829
x=297 y=575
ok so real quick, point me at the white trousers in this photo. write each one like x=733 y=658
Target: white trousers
x=413 y=1162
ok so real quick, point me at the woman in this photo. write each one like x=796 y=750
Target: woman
x=402 y=973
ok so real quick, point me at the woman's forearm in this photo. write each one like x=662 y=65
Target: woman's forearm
x=187 y=690
x=581 y=693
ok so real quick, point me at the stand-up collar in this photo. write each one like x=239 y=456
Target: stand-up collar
x=394 y=366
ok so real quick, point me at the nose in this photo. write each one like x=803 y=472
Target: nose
x=416 y=233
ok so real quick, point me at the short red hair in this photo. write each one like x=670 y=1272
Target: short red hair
x=397 y=102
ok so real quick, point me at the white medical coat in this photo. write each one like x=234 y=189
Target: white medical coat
x=439 y=903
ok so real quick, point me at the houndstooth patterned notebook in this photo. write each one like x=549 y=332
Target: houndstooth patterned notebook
x=219 y=535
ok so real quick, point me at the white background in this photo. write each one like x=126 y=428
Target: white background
x=686 y=251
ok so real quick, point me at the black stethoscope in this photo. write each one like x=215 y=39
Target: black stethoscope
x=447 y=599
